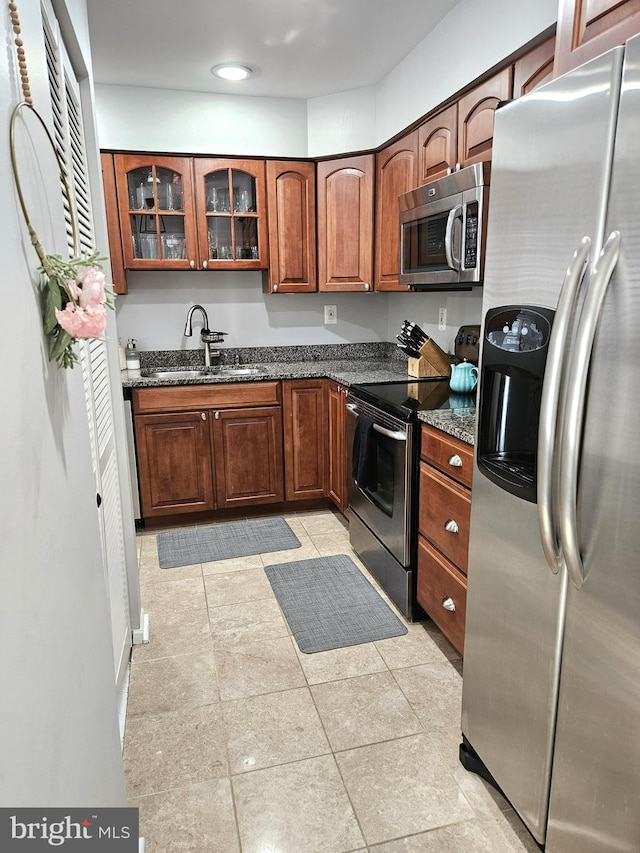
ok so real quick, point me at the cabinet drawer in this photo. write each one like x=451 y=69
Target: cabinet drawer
x=444 y=513
x=440 y=583
x=179 y=398
x=448 y=454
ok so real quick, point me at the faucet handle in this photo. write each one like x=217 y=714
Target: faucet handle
x=212 y=337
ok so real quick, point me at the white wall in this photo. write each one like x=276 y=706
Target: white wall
x=139 y=119
x=463 y=308
x=154 y=312
x=59 y=737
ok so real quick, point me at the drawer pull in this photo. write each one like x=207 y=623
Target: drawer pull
x=203 y=415
x=217 y=416
x=455 y=461
x=449 y=604
x=451 y=526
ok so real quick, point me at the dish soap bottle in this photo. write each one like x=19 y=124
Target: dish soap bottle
x=132 y=356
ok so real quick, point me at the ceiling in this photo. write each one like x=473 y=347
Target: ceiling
x=297 y=48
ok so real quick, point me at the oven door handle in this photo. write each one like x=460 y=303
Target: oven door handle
x=396 y=435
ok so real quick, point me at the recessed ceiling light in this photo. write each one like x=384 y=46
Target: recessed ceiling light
x=231 y=71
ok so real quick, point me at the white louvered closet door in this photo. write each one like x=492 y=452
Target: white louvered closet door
x=69 y=139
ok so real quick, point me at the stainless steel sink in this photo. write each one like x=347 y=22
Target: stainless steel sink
x=178 y=374
x=237 y=371
x=200 y=373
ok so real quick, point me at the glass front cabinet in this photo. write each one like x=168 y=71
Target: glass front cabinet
x=183 y=213
x=231 y=214
x=157 y=214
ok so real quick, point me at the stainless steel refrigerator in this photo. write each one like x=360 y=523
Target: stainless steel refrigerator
x=551 y=686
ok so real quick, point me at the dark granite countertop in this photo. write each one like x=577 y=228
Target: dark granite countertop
x=348 y=364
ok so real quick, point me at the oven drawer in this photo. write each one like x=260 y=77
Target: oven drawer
x=448 y=454
x=444 y=514
x=442 y=592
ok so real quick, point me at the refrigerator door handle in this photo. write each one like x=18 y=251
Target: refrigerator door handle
x=452 y=261
x=549 y=416
x=575 y=405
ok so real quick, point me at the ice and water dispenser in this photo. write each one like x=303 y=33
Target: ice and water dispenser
x=516 y=340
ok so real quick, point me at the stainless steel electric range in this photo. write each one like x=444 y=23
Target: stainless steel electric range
x=383 y=448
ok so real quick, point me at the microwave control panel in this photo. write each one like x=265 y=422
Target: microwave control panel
x=471 y=236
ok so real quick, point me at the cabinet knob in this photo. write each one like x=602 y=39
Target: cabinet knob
x=275 y=288
x=192 y=264
x=449 y=604
x=204 y=265
x=451 y=526
x=203 y=415
x=455 y=461
x=217 y=416
x=366 y=285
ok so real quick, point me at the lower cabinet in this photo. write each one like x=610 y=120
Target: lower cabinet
x=208 y=447
x=336 y=399
x=304 y=404
x=443 y=531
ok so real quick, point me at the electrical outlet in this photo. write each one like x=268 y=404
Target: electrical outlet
x=330 y=314
x=442 y=320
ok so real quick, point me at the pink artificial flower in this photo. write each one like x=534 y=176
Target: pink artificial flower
x=83 y=322
x=91 y=281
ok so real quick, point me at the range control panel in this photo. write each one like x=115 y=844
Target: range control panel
x=468 y=343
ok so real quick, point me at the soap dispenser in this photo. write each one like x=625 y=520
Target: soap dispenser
x=132 y=355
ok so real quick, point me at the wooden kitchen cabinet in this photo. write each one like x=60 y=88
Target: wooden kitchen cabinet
x=304 y=406
x=247 y=451
x=208 y=447
x=438 y=145
x=118 y=274
x=587 y=28
x=156 y=212
x=533 y=68
x=174 y=463
x=336 y=399
x=396 y=173
x=444 y=511
x=231 y=214
x=291 y=204
x=345 y=223
x=476 y=112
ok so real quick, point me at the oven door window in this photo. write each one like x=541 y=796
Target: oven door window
x=424 y=243
x=379 y=482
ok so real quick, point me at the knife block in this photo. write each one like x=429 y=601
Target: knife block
x=433 y=361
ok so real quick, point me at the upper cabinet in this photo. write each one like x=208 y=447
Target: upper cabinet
x=587 y=28
x=291 y=201
x=476 y=112
x=396 y=173
x=231 y=217
x=178 y=213
x=534 y=68
x=157 y=218
x=438 y=145
x=345 y=223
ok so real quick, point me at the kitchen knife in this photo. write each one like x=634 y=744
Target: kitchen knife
x=407 y=350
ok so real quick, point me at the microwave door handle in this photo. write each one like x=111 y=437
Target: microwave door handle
x=549 y=427
x=575 y=407
x=452 y=261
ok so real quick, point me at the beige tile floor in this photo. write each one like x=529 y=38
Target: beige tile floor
x=238 y=743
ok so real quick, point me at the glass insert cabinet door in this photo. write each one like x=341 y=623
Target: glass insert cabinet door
x=155 y=198
x=230 y=204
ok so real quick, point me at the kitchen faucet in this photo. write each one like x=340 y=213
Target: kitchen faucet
x=206 y=336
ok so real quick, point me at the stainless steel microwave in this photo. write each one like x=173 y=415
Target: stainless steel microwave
x=442 y=231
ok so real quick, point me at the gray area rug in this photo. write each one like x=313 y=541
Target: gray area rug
x=224 y=541
x=329 y=604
